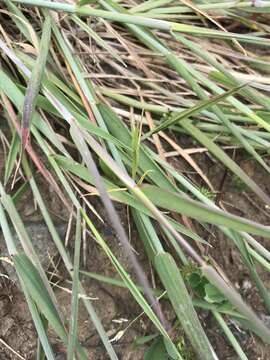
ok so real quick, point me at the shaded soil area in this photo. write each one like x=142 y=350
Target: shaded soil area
x=114 y=305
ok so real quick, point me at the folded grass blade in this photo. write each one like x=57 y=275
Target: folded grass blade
x=34 y=84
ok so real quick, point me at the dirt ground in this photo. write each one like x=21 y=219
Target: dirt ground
x=114 y=305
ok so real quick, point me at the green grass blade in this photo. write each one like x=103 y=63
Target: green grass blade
x=176 y=202
x=230 y=336
x=34 y=284
x=159 y=109
x=72 y=338
x=149 y=5
x=35 y=80
x=181 y=302
x=12 y=155
x=41 y=354
x=147 y=234
x=45 y=346
x=192 y=111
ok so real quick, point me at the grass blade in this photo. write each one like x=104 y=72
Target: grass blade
x=72 y=338
x=178 y=203
x=34 y=285
x=12 y=155
x=175 y=118
x=181 y=302
x=230 y=336
x=35 y=80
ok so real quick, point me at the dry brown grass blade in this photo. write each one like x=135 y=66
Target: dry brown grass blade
x=188 y=159
x=83 y=97
x=156 y=138
x=197 y=151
